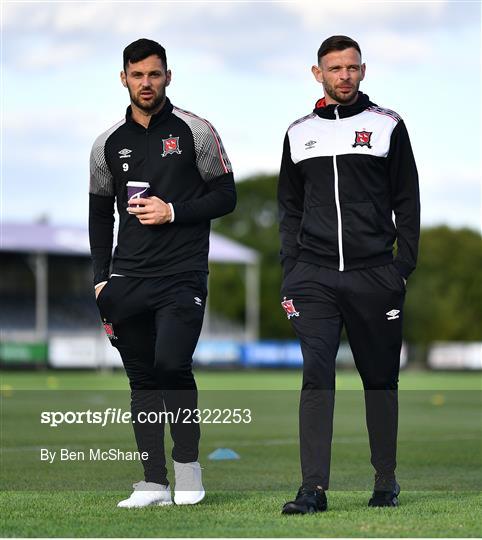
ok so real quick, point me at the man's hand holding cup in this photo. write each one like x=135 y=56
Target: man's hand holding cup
x=149 y=210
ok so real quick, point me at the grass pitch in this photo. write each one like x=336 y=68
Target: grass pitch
x=439 y=461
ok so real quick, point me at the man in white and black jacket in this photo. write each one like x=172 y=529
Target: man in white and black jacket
x=151 y=295
x=346 y=169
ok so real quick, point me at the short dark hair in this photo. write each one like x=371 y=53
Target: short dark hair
x=337 y=43
x=141 y=49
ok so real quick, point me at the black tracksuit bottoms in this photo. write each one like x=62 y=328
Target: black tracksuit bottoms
x=155 y=324
x=369 y=302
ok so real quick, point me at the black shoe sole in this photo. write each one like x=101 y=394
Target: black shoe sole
x=385 y=503
x=291 y=509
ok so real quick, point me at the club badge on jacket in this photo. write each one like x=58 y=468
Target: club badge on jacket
x=170 y=146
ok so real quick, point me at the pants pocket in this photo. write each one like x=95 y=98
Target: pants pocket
x=398 y=276
x=102 y=292
x=107 y=295
x=202 y=280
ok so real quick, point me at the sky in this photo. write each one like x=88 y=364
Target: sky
x=245 y=66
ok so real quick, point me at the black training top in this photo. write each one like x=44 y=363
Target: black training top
x=345 y=170
x=185 y=163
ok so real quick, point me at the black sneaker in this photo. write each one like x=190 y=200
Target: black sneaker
x=308 y=501
x=385 y=498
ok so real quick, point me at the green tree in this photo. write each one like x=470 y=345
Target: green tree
x=444 y=294
x=254 y=223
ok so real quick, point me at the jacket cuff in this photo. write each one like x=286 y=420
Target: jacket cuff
x=403 y=268
x=173 y=215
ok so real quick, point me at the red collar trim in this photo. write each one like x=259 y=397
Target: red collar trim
x=320 y=103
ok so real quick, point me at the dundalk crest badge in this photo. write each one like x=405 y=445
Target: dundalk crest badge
x=362 y=138
x=289 y=307
x=109 y=330
x=170 y=146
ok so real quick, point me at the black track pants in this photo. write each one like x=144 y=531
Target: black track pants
x=369 y=302
x=155 y=324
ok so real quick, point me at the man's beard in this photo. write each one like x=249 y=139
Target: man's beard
x=147 y=106
x=341 y=98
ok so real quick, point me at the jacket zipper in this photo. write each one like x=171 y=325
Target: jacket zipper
x=338 y=207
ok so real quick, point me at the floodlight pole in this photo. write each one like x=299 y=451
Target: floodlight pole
x=41 y=296
x=252 y=301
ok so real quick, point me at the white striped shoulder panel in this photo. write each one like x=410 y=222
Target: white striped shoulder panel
x=385 y=112
x=300 y=120
x=211 y=157
x=101 y=180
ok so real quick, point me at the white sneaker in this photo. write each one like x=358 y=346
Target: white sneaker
x=147 y=493
x=189 y=488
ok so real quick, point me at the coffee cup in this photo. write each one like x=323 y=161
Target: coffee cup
x=136 y=190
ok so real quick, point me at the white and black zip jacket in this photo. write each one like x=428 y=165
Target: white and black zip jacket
x=184 y=160
x=344 y=170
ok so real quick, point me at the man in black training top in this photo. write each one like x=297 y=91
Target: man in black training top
x=345 y=168
x=152 y=300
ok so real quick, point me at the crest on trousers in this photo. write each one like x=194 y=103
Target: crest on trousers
x=362 y=138
x=170 y=146
x=289 y=307
x=109 y=330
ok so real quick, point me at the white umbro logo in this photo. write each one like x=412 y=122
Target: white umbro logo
x=392 y=314
x=124 y=153
x=198 y=301
x=310 y=144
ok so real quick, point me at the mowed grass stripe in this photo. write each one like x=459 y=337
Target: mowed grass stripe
x=238 y=514
x=439 y=463
x=231 y=380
